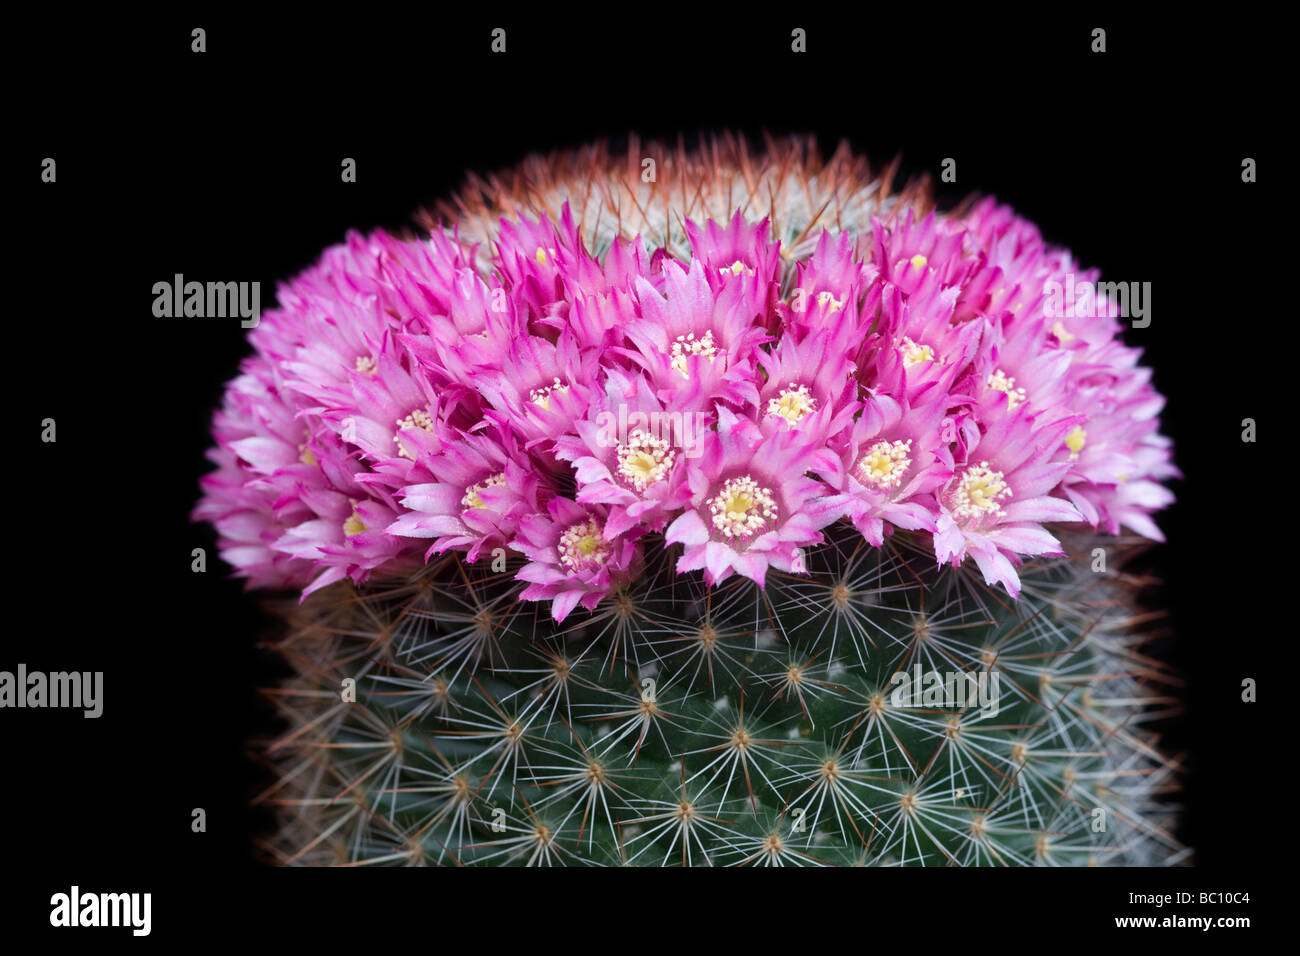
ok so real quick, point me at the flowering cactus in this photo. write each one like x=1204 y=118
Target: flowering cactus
x=746 y=512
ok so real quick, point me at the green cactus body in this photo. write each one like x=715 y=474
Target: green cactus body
x=680 y=725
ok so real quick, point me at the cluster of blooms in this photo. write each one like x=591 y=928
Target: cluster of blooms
x=562 y=407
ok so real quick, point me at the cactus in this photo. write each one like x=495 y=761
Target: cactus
x=833 y=628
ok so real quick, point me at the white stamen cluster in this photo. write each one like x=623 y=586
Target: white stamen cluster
x=885 y=463
x=979 y=492
x=742 y=508
x=472 y=499
x=367 y=365
x=419 y=418
x=792 y=404
x=1002 y=382
x=644 y=460
x=689 y=345
x=915 y=353
x=541 y=397
x=828 y=301
x=582 y=546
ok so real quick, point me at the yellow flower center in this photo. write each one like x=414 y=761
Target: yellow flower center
x=1075 y=441
x=1000 y=381
x=885 y=463
x=541 y=397
x=742 y=508
x=472 y=499
x=918 y=261
x=689 y=345
x=582 y=546
x=304 y=453
x=828 y=301
x=644 y=460
x=1061 y=334
x=417 y=419
x=915 y=353
x=736 y=268
x=979 y=492
x=792 y=404
x=353 y=524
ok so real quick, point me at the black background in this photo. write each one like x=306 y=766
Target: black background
x=225 y=165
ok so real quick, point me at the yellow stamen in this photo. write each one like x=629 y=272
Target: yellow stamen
x=1002 y=382
x=885 y=463
x=792 y=404
x=742 y=508
x=417 y=419
x=828 y=301
x=353 y=524
x=1075 y=441
x=644 y=460
x=582 y=546
x=472 y=499
x=915 y=354
x=978 y=493
x=690 y=345
x=541 y=397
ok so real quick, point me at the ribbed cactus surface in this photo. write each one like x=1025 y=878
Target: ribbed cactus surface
x=682 y=725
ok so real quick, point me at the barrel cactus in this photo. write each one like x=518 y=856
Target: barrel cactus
x=711 y=507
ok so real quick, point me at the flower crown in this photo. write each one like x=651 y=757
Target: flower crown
x=950 y=375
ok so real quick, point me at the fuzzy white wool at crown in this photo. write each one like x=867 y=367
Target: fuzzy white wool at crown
x=792 y=185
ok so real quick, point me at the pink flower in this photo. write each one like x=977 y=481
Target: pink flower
x=485 y=485
x=830 y=285
x=390 y=414
x=698 y=348
x=631 y=454
x=895 y=458
x=917 y=258
x=264 y=457
x=995 y=503
x=742 y=253
x=247 y=527
x=811 y=386
x=570 y=559
x=345 y=538
x=1116 y=457
x=918 y=347
x=538 y=389
x=752 y=504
